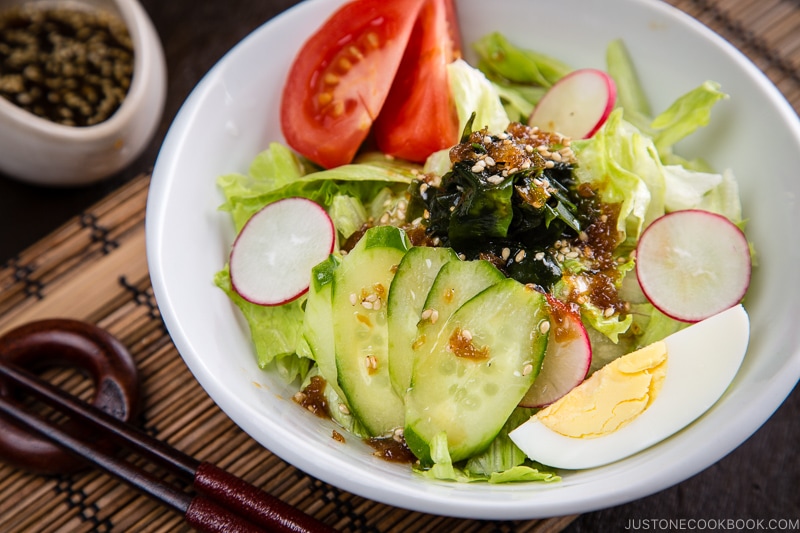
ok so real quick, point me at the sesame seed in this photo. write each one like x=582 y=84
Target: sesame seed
x=529 y=148
x=503 y=136
x=572 y=255
x=477 y=167
x=544 y=327
x=426 y=314
x=487 y=140
x=419 y=341
x=505 y=254
x=489 y=161
x=527 y=369
x=353 y=299
x=466 y=334
x=609 y=311
x=539 y=256
x=520 y=256
x=549 y=164
x=343 y=409
x=376 y=305
x=495 y=180
x=366 y=305
x=434 y=316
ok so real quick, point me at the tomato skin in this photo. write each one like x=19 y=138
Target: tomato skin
x=341 y=77
x=419 y=117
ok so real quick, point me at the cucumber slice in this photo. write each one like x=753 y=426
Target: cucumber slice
x=455 y=284
x=359 y=292
x=410 y=287
x=475 y=373
x=318 y=321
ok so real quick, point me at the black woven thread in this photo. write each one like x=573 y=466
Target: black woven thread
x=76 y=499
x=344 y=505
x=143 y=297
x=24 y=274
x=99 y=233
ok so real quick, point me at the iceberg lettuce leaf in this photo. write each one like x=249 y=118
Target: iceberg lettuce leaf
x=473 y=93
x=625 y=167
x=688 y=113
x=518 y=65
x=274 y=330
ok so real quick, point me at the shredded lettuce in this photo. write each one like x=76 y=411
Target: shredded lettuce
x=625 y=166
x=264 y=184
x=274 y=330
x=520 y=77
x=688 y=113
x=504 y=60
x=474 y=93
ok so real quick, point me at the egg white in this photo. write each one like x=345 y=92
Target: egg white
x=702 y=361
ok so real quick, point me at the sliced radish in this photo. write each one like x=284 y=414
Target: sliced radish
x=566 y=361
x=693 y=264
x=272 y=256
x=577 y=105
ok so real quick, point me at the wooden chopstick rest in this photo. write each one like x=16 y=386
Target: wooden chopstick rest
x=66 y=343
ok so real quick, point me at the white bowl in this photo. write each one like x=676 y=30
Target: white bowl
x=233 y=114
x=39 y=151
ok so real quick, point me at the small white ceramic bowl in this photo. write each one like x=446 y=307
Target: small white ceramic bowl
x=39 y=151
x=234 y=113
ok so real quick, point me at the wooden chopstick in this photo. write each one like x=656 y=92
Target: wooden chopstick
x=224 y=502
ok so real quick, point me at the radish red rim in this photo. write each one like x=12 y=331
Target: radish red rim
x=693 y=264
x=272 y=257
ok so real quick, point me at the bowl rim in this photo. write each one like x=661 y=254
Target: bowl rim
x=620 y=488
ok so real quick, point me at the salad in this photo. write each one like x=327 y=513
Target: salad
x=448 y=251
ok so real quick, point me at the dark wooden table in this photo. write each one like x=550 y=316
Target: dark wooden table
x=759 y=480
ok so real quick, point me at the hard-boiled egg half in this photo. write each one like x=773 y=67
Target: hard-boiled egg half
x=641 y=398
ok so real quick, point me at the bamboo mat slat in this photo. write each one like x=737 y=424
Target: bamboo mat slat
x=93 y=268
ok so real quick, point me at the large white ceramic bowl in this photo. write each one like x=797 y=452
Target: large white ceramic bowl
x=42 y=152
x=233 y=114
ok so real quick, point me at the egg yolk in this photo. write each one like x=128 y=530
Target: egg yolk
x=613 y=396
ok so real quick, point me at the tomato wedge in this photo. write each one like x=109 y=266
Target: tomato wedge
x=419 y=117
x=341 y=77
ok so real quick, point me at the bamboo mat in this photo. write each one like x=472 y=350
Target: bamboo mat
x=94 y=269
